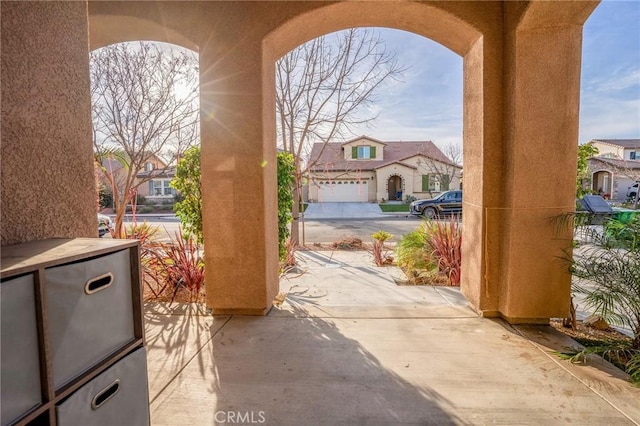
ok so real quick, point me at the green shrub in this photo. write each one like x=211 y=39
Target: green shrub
x=145 y=209
x=106 y=196
x=410 y=251
x=286 y=171
x=187 y=183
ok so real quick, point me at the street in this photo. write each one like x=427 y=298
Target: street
x=329 y=230
x=315 y=231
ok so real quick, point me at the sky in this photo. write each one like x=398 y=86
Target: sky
x=427 y=105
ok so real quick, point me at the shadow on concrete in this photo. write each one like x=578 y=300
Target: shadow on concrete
x=306 y=370
x=174 y=336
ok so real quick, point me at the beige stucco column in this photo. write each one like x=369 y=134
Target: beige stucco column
x=238 y=178
x=48 y=183
x=541 y=101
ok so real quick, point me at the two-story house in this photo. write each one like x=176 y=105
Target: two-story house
x=152 y=182
x=368 y=170
x=616 y=167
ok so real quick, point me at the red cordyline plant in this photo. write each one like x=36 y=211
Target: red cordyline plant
x=445 y=242
x=184 y=266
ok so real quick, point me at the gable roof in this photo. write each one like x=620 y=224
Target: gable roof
x=623 y=143
x=398 y=162
x=359 y=138
x=331 y=158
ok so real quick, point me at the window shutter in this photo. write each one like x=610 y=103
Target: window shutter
x=425 y=182
x=354 y=152
x=373 y=152
x=444 y=182
x=151 y=187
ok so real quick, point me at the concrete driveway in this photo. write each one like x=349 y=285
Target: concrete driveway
x=342 y=211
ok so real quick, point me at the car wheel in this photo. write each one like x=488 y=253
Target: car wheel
x=429 y=212
x=632 y=195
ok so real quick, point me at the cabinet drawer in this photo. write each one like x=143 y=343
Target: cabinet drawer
x=20 y=375
x=90 y=313
x=119 y=396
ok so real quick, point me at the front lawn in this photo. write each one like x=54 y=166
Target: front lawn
x=394 y=208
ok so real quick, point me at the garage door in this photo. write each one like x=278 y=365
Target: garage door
x=343 y=191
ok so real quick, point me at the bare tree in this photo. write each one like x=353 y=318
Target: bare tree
x=144 y=106
x=441 y=171
x=322 y=89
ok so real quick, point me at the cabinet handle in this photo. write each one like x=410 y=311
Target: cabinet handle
x=97 y=284
x=105 y=395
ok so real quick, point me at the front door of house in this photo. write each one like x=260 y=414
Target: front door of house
x=395 y=188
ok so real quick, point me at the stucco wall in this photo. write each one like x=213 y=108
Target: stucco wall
x=521 y=86
x=605 y=148
x=48 y=183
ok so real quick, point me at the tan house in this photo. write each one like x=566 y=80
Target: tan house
x=615 y=168
x=152 y=182
x=368 y=170
x=622 y=149
x=157 y=186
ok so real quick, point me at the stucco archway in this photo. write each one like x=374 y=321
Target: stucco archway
x=602 y=183
x=521 y=88
x=395 y=185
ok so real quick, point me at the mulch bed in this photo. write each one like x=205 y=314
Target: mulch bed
x=589 y=334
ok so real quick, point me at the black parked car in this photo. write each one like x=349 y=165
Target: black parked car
x=446 y=203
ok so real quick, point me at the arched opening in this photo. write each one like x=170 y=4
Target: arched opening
x=454 y=33
x=510 y=87
x=602 y=183
x=394 y=188
x=145 y=117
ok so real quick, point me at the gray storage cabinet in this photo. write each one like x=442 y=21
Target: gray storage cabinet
x=112 y=398
x=20 y=375
x=72 y=334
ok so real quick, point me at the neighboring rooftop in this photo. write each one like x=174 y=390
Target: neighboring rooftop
x=621 y=164
x=624 y=143
x=331 y=158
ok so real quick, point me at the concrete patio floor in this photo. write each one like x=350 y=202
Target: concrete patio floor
x=349 y=346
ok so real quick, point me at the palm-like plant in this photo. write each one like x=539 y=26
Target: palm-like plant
x=379 y=251
x=610 y=280
x=607 y=269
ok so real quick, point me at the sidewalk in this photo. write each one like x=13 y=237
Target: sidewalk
x=349 y=346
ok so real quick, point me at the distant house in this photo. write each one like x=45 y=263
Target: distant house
x=158 y=188
x=621 y=149
x=367 y=170
x=616 y=166
x=155 y=189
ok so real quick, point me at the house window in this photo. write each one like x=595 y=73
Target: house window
x=434 y=182
x=364 y=152
x=161 y=188
x=634 y=155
